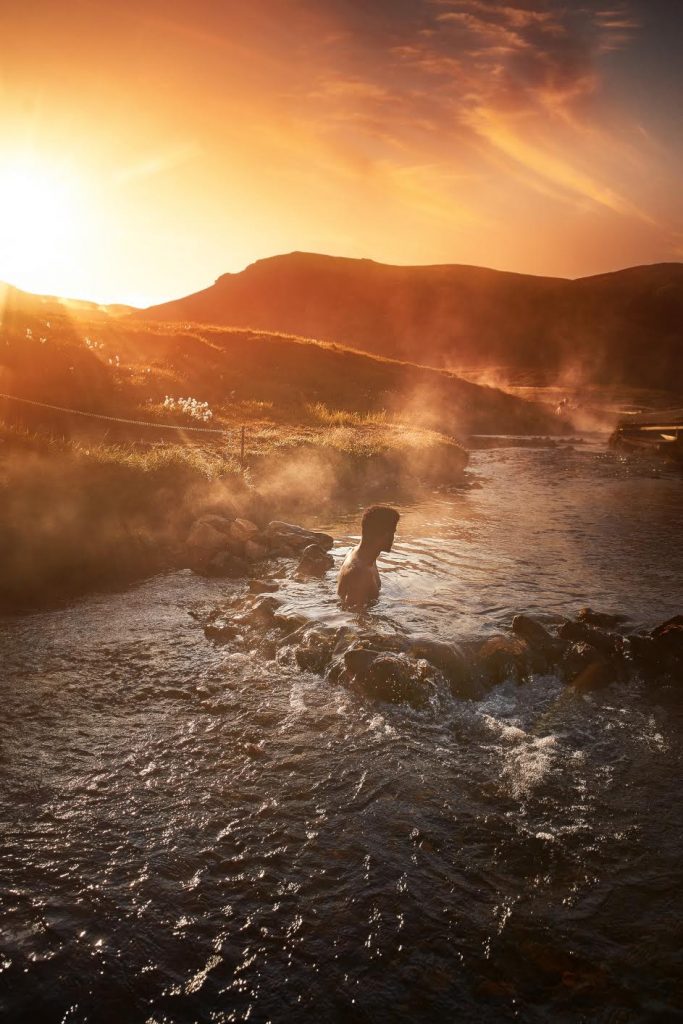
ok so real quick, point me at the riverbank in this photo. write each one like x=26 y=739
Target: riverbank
x=77 y=517
x=117 y=435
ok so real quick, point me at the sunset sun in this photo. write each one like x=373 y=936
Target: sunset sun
x=42 y=215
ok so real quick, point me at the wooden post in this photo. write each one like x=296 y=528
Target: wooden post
x=242 y=449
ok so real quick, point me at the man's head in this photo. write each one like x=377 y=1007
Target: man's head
x=378 y=526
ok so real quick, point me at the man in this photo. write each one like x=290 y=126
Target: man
x=359 y=582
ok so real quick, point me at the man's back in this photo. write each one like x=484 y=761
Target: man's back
x=359 y=581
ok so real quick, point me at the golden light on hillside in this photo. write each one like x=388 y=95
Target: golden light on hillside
x=43 y=217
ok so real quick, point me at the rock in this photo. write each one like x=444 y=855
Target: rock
x=602 y=619
x=205 y=540
x=255 y=611
x=221 y=631
x=536 y=635
x=254 y=551
x=295 y=538
x=315 y=561
x=387 y=643
x=586 y=667
x=220 y=523
x=314 y=652
x=289 y=622
x=581 y=633
x=260 y=610
x=676 y=621
x=244 y=530
x=357 y=660
x=226 y=564
x=450 y=660
x=235 y=547
x=662 y=650
x=262 y=587
x=394 y=678
x=596 y=676
x=504 y=657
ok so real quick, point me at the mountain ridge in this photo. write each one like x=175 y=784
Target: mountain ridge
x=622 y=325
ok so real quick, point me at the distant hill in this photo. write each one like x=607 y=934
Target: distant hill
x=27 y=303
x=125 y=368
x=621 y=327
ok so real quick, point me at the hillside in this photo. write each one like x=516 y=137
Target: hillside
x=126 y=368
x=622 y=327
x=15 y=300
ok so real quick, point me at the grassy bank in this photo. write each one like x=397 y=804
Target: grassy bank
x=77 y=517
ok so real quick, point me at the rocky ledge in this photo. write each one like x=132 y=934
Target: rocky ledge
x=587 y=653
x=226 y=545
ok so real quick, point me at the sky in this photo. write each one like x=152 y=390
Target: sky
x=148 y=146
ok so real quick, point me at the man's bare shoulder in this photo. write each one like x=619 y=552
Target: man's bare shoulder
x=358 y=582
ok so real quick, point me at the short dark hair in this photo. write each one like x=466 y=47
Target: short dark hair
x=378 y=519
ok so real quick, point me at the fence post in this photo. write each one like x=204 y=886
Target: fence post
x=242 y=449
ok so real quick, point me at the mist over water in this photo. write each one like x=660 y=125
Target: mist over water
x=190 y=834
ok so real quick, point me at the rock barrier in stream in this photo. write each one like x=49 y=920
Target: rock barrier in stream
x=409 y=669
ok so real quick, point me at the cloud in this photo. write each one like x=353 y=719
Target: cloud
x=516 y=82
x=157 y=163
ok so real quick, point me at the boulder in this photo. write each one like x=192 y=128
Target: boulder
x=226 y=564
x=244 y=530
x=220 y=523
x=536 y=635
x=254 y=551
x=204 y=540
x=259 y=611
x=581 y=633
x=586 y=667
x=393 y=678
x=262 y=587
x=221 y=631
x=288 y=537
x=315 y=561
x=504 y=657
x=662 y=650
x=604 y=620
x=314 y=652
x=289 y=622
x=450 y=660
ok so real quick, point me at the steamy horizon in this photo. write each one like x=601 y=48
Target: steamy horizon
x=149 y=148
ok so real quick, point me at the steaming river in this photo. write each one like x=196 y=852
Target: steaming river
x=194 y=835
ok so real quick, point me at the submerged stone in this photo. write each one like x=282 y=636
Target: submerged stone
x=504 y=657
x=604 y=620
x=221 y=631
x=262 y=587
x=451 y=660
x=536 y=635
x=255 y=551
x=315 y=561
x=244 y=529
x=226 y=564
x=580 y=632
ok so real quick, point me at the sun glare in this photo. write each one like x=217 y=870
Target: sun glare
x=41 y=219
